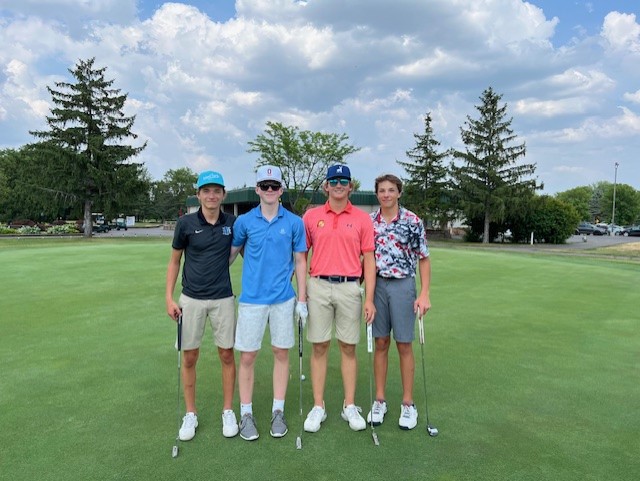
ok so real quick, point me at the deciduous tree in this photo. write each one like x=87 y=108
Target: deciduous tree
x=302 y=155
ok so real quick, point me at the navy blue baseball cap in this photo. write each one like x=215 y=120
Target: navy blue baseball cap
x=338 y=172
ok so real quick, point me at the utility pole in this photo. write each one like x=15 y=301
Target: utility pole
x=615 y=179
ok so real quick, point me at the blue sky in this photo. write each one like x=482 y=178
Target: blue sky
x=204 y=77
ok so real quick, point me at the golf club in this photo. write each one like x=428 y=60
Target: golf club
x=374 y=435
x=432 y=430
x=299 y=438
x=174 y=451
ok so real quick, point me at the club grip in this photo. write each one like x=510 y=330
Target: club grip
x=180 y=332
x=421 y=329
x=369 y=338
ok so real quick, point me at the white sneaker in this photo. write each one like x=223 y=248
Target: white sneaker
x=378 y=410
x=408 y=417
x=351 y=413
x=315 y=417
x=189 y=425
x=229 y=423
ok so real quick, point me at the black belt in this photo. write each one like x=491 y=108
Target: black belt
x=338 y=279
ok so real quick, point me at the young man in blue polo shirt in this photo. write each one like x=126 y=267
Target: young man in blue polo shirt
x=204 y=237
x=274 y=248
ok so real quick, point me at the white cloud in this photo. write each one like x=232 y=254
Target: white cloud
x=621 y=32
x=201 y=88
x=632 y=96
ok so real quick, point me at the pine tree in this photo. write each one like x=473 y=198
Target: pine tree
x=426 y=191
x=81 y=153
x=490 y=180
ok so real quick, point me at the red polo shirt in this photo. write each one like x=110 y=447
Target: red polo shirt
x=338 y=240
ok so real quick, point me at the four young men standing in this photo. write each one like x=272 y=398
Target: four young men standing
x=345 y=245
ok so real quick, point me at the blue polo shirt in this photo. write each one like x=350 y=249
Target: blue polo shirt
x=268 y=254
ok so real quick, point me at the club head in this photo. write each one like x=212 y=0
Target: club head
x=433 y=431
x=298 y=443
x=174 y=451
x=374 y=435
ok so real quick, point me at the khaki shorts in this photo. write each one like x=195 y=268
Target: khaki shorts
x=330 y=304
x=221 y=314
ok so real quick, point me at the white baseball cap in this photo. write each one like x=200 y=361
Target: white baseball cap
x=268 y=172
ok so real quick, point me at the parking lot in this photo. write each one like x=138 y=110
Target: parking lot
x=592 y=241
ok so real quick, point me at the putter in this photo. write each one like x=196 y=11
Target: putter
x=374 y=435
x=174 y=451
x=432 y=430
x=299 y=438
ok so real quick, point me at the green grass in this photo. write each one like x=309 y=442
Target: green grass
x=532 y=365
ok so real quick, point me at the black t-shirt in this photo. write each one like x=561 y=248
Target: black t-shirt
x=205 y=272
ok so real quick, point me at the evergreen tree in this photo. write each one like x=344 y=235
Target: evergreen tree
x=489 y=179
x=82 y=153
x=426 y=191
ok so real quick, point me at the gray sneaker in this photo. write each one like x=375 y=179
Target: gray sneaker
x=248 y=429
x=278 y=424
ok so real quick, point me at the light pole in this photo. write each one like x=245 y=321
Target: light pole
x=615 y=179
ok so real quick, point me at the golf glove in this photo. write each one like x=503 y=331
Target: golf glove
x=302 y=312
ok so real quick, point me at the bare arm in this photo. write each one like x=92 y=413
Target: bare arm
x=173 y=269
x=423 y=303
x=369 y=270
x=301 y=275
x=234 y=253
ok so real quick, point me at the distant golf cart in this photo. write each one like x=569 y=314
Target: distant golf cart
x=121 y=223
x=98 y=223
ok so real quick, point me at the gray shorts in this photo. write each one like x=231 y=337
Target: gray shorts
x=252 y=322
x=222 y=317
x=394 y=300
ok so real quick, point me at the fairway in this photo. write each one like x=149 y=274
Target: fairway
x=532 y=362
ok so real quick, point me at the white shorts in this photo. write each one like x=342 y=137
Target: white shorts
x=252 y=322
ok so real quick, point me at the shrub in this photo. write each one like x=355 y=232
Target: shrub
x=22 y=222
x=62 y=229
x=7 y=230
x=25 y=230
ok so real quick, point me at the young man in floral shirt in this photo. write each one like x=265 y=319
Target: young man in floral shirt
x=401 y=250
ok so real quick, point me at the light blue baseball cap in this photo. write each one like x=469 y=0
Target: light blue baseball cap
x=209 y=177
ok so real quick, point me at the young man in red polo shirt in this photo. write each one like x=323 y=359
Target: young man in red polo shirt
x=340 y=237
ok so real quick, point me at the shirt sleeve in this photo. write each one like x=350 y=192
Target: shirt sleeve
x=239 y=232
x=367 y=243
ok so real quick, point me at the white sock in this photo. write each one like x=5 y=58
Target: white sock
x=278 y=405
x=246 y=409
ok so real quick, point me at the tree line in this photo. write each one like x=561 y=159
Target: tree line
x=84 y=162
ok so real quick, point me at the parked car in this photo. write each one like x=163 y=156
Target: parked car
x=615 y=229
x=589 y=229
x=634 y=230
